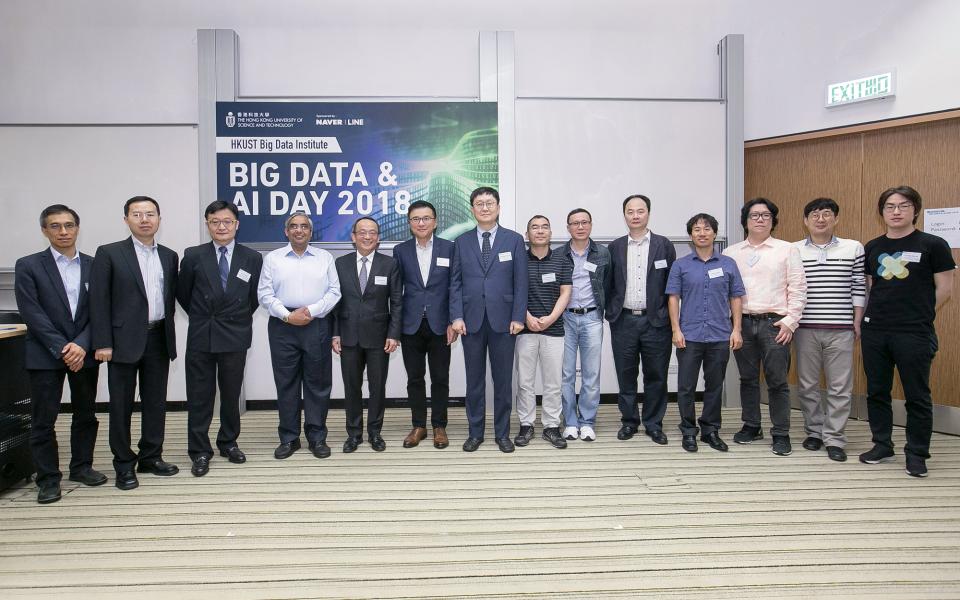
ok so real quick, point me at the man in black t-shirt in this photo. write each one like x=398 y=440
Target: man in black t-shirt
x=909 y=276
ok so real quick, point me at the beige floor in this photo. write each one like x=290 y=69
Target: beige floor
x=602 y=519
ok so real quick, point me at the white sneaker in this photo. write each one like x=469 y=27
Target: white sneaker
x=587 y=434
x=570 y=433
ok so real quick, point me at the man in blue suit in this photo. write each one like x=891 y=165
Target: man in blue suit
x=488 y=305
x=425 y=270
x=51 y=291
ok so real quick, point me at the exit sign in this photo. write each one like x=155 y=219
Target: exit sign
x=873 y=87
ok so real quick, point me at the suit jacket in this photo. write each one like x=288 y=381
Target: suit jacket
x=661 y=249
x=368 y=319
x=220 y=321
x=118 y=301
x=434 y=297
x=499 y=291
x=45 y=309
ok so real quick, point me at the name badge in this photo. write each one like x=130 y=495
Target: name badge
x=243 y=275
x=714 y=273
x=505 y=256
x=660 y=264
x=379 y=280
x=549 y=277
x=443 y=262
x=590 y=266
x=910 y=256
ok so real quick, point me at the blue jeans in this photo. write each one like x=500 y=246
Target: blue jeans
x=760 y=349
x=583 y=333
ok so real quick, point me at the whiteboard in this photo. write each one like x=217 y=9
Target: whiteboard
x=593 y=154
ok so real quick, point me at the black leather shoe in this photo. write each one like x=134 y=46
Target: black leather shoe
x=658 y=436
x=234 y=455
x=626 y=432
x=689 y=443
x=48 y=493
x=812 y=443
x=320 y=450
x=350 y=445
x=286 y=449
x=201 y=466
x=127 y=480
x=89 y=477
x=836 y=453
x=158 y=467
x=713 y=439
x=505 y=445
x=472 y=444
x=377 y=443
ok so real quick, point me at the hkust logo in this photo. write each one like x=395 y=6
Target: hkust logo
x=231 y=120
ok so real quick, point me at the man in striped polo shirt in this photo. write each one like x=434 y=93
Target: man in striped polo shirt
x=829 y=325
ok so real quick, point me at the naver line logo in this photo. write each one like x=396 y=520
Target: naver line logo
x=873 y=87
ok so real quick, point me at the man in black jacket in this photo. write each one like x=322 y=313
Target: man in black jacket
x=217 y=286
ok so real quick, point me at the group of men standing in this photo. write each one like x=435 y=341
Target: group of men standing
x=520 y=308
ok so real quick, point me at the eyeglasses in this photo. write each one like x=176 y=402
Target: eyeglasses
x=143 y=215
x=301 y=226
x=421 y=220
x=216 y=223
x=765 y=216
x=576 y=224
x=63 y=226
x=539 y=228
x=821 y=216
x=366 y=233
x=485 y=204
x=902 y=207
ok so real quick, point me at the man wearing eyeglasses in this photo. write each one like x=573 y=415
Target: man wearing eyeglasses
x=773 y=276
x=299 y=287
x=133 y=287
x=217 y=288
x=909 y=277
x=424 y=264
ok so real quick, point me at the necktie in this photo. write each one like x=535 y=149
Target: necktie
x=363 y=274
x=224 y=267
x=485 y=249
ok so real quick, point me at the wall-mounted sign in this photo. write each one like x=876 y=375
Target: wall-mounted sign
x=944 y=222
x=873 y=87
x=340 y=161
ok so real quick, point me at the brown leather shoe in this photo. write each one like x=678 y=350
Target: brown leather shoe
x=414 y=437
x=440 y=438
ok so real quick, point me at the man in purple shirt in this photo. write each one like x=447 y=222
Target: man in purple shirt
x=706 y=294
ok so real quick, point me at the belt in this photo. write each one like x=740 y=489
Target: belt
x=636 y=312
x=582 y=311
x=762 y=316
x=152 y=325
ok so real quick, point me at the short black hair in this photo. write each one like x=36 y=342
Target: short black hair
x=709 y=219
x=218 y=205
x=537 y=217
x=633 y=197
x=371 y=219
x=912 y=195
x=484 y=190
x=56 y=209
x=126 y=205
x=821 y=204
x=745 y=212
x=422 y=204
x=578 y=210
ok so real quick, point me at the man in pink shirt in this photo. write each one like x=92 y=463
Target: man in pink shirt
x=773 y=275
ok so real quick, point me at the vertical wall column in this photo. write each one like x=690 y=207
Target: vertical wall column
x=506 y=121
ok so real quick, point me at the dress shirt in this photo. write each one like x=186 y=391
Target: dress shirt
x=229 y=247
x=493 y=236
x=637 y=253
x=70 y=273
x=705 y=299
x=369 y=258
x=773 y=275
x=582 y=288
x=152 y=272
x=424 y=254
x=291 y=280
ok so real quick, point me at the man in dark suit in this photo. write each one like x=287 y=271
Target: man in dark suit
x=217 y=286
x=132 y=303
x=366 y=328
x=639 y=321
x=51 y=291
x=425 y=270
x=488 y=306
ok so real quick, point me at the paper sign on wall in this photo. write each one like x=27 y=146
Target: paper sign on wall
x=944 y=222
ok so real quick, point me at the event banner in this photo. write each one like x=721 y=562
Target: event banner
x=340 y=161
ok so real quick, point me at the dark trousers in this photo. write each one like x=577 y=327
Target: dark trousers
x=477 y=346
x=713 y=356
x=911 y=353
x=46 y=392
x=204 y=371
x=637 y=344
x=417 y=349
x=122 y=378
x=353 y=361
x=303 y=374
x=760 y=347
